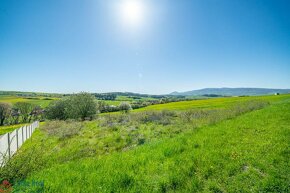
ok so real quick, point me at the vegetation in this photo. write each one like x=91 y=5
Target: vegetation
x=213 y=145
x=5 y=110
x=40 y=101
x=161 y=151
x=245 y=154
x=125 y=107
x=79 y=106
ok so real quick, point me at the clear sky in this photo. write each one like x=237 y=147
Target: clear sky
x=146 y=46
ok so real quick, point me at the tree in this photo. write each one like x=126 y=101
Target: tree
x=77 y=106
x=125 y=107
x=56 y=109
x=15 y=114
x=81 y=106
x=25 y=110
x=36 y=112
x=5 y=112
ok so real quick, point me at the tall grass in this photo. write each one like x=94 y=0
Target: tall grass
x=65 y=141
x=248 y=153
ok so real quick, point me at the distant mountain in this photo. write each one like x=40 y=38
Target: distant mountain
x=231 y=92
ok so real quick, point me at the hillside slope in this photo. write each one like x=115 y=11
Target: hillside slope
x=249 y=153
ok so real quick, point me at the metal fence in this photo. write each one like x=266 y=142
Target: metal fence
x=11 y=142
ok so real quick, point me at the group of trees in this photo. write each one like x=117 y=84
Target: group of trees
x=20 y=112
x=106 y=96
x=78 y=106
x=103 y=107
x=82 y=106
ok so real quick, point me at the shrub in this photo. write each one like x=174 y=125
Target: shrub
x=25 y=110
x=78 y=106
x=5 y=112
x=160 y=117
x=56 y=110
x=125 y=107
x=81 y=106
x=62 y=129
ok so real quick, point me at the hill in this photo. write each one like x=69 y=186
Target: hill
x=235 y=146
x=231 y=92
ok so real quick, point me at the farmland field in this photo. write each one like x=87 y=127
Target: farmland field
x=192 y=146
x=212 y=103
x=41 y=101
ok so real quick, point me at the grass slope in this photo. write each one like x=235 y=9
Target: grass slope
x=212 y=103
x=249 y=153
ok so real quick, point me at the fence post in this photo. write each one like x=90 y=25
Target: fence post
x=22 y=135
x=17 y=145
x=8 y=136
x=25 y=132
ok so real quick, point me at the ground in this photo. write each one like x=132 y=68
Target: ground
x=227 y=147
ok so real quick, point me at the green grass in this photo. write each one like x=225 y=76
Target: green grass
x=248 y=153
x=211 y=103
x=9 y=128
x=41 y=101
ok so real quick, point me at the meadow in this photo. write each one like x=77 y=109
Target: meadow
x=212 y=102
x=237 y=144
x=39 y=100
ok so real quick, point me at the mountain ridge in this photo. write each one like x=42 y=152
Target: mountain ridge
x=225 y=91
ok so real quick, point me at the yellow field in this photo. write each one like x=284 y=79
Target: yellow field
x=212 y=103
x=41 y=101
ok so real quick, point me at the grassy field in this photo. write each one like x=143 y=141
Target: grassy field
x=237 y=149
x=121 y=99
x=212 y=103
x=9 y=128
x=41 y=101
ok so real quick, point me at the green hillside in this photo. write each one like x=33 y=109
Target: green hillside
x=241 y=148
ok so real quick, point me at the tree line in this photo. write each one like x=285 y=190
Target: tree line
x=20 y=112
x=81 y=106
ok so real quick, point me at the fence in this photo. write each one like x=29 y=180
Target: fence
x=11 y=142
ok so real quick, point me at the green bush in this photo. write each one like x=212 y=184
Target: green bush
x=78 y=106
x=25 y=110
x=81 y=106
x=56 y=110
x=125 y=107
x=5 y=111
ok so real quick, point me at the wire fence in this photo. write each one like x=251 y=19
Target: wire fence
x=11 y=142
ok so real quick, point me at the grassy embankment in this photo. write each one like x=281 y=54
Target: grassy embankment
x=216 y=150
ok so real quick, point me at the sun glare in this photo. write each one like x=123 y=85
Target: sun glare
x=132 y=12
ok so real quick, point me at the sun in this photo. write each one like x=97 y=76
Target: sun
x=132 y=12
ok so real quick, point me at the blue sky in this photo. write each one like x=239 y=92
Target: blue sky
x=85 y=45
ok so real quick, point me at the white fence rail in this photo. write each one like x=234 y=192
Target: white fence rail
x=11 y=142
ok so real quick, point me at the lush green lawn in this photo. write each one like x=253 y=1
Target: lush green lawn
x=247 y=153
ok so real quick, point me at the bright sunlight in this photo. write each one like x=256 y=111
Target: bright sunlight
x=132 y=12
